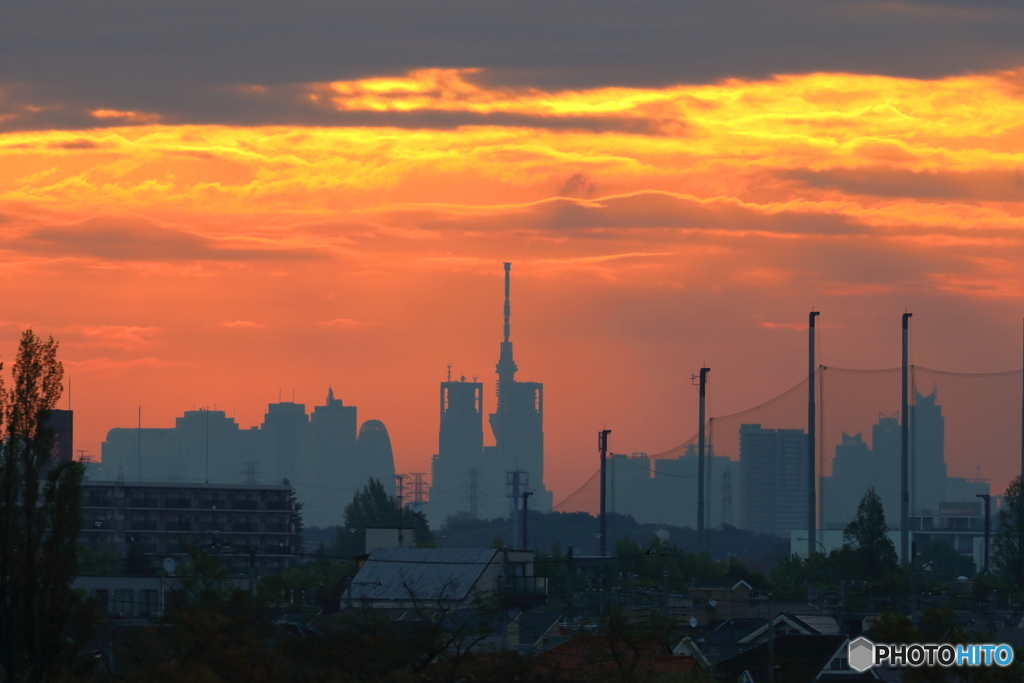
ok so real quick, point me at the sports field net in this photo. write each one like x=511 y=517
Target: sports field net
x=965 y=439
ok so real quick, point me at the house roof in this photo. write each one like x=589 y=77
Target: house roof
x=798 y=659
x=585 y=656
x=533 y=625
x=780 y=619
x=728 y=583
x=420 y=573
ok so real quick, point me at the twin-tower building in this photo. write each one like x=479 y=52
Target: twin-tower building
x=328 y=459
x=490 y=481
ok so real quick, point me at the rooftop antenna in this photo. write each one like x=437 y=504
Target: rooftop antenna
x=69 y=393
x=449 y=372
x=140 y=443
x=506 y=365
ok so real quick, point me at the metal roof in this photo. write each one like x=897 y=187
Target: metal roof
x=420 y=573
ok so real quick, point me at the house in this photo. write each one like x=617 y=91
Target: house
x=536 y=630
x=797 y=659
x=715 y=599
x=452 y=578
x=592 y=657
x=723 y=639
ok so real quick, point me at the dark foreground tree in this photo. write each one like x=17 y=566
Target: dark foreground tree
x=373 y=507
x=1008 y=547
x=40 y=518
x=868 y=540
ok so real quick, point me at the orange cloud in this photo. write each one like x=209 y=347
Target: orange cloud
x=132 y=116
x=645 y=224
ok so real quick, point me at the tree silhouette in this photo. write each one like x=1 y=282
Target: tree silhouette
x=373 y=507
x=1008 y=545
x=40 y=518
x=868 y=539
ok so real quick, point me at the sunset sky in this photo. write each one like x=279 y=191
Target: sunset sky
x=209 y=203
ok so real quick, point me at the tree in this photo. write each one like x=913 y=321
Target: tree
x=942 y=558
x=40 y=519
x=1008 y=545
x=137 y=562
x=373 y=507
x=868 y=539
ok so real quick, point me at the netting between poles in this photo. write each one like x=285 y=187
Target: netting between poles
x=964 y=436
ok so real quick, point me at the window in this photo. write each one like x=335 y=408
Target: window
x=102 y=596
x=121 y=605
x=149 y=602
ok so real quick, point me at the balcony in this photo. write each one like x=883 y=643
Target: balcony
x=245 y=505
x=96 y=502
x=245 y=527
x=143 y=503
x=179 y=526
x=277 y=505
x=277 y=528
x=142 y=526
x=527 y=586
x=211 y=527
x=179 y=503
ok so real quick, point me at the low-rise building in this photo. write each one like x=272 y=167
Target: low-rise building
x=246 y=524
x=452 y=578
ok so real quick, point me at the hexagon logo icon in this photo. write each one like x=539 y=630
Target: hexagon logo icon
x=861 y=654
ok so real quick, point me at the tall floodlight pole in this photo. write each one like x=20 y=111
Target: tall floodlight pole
x=701 y=533
x=602 y=444
x=905 y=446
x=812 y=412
x=1022 y=422
x=988 y=517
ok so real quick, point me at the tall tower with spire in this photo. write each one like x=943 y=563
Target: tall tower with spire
x=518 y=421
x=469 y=477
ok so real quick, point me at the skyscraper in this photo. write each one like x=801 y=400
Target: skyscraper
x=518 y=422
x=773 y=463
x=856 y=468
x=470 y=477
x=320 y=454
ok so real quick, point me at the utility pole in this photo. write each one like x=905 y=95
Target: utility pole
x=905 y=446
x=400 y=490
x=526 y=495
x=701 y=532
x=140 y=443
x=987 y=498
x=602 y=444
x=812 y=412
x=207 y=409
x=568 y=582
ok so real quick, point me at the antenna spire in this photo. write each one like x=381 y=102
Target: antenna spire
x=506 y=366
x=508 y=306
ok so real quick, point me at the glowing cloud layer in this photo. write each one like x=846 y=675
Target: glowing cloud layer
x=826 y=185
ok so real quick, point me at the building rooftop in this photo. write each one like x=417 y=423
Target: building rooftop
x=420 y=573
x=187 y=485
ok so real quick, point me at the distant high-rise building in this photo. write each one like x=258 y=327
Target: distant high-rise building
x=858 y=467
x=773 y=463
x=320 y=454
x=927 y=455
x=62 y=422
x=466 y=475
